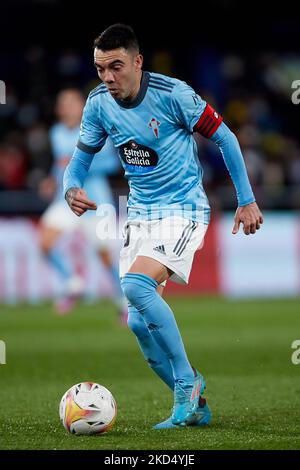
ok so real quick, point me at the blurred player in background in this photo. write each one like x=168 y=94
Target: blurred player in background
x=151 y=119
x=58 y=219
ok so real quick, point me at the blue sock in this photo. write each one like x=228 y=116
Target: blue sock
x=60 y=262
x=152 y=352
x=140 y=291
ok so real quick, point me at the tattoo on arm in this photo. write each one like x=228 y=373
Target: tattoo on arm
x=70 y=194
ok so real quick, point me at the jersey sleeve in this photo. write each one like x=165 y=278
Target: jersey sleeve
x=234 y=161
x=193 y=112
x=92 y=135
x=209 y=122
x=187 y=106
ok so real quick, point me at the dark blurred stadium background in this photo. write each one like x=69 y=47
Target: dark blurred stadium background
x=243 y=62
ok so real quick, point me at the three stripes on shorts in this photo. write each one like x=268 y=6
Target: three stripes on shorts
x=185 y=238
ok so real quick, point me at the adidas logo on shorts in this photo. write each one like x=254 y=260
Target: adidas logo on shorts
x=160 y=249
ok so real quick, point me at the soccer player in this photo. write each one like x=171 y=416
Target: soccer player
x=151 y=119
x=58 y=219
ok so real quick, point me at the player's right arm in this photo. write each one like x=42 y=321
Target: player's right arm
x=92 y=137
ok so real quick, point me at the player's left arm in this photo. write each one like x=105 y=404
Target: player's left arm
x=248 y=212
x=211 y=125
x=196 y=115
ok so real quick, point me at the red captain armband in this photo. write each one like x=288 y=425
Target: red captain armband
x=208 y=123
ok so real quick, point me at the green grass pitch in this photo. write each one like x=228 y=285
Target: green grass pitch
x=243 y=348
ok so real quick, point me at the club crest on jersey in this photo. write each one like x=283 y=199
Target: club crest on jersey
x=154 y=124
x=133 y=145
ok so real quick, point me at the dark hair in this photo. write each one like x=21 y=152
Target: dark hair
x=115 y=36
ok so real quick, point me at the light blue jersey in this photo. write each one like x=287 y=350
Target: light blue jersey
x=63 y=140
x=154 y=137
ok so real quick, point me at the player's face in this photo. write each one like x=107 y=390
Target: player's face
x=120 y=71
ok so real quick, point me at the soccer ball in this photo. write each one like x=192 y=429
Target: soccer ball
x=88 y=408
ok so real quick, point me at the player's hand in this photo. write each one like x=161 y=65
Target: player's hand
x=79 y=202
x=251 y=218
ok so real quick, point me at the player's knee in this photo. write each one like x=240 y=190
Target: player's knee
x=47 y=240
x=137 y=325
x=45 y=245
x=137 y=288
x=105 y=258
x=129 y=289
